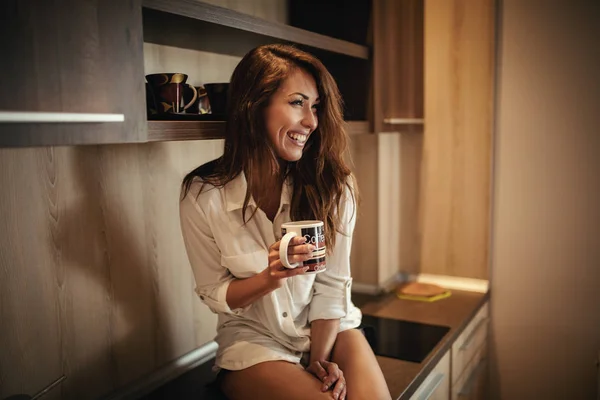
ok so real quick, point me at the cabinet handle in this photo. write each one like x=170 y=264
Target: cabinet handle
x=432 y=386
x=57 y=117
x=467 y=388
x=400 y=121
x=467 y=343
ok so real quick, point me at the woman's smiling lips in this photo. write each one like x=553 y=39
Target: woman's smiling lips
x=298 y=138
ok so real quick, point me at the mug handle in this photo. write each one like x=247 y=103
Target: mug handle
x=283 y=250
x=193 y=99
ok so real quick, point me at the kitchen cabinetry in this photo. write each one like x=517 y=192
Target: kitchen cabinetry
x=73 y=72
x=469 y=358
x=455 y=181
x=437 y=384
x=398 y=65
x=461 y=374
x=72 y=57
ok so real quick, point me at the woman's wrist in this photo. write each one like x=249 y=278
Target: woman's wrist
x=269 y=282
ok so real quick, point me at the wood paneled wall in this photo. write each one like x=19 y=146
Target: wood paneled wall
x=455 y=179
x=94 y=279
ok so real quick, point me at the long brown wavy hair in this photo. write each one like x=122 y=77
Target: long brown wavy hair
x=322 y=174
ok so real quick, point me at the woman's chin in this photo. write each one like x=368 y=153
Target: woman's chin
x=291 y=156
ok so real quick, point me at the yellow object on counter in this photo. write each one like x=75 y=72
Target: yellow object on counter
x=421 y=291
x=430 y=299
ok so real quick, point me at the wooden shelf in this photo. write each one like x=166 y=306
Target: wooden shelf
x=236 y=20
x=160 y=131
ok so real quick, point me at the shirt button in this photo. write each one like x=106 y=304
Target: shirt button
x=284 y=315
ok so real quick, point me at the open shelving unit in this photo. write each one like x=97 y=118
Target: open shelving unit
x=235 y=33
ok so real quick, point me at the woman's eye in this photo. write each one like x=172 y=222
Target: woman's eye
x=297 y=103
x=316 y=107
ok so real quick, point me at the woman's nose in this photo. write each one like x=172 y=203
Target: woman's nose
x=310 y=120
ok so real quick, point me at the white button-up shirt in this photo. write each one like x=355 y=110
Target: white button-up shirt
x=221 y=248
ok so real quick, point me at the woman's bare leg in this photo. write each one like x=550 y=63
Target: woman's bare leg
x=273 y=380
x=355 y=358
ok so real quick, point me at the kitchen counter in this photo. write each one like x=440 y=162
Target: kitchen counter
x=402 y=377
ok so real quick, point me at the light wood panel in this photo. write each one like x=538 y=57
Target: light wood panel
x=95 y=282
x=387 y=166
x=364 y=258
x=459 y=59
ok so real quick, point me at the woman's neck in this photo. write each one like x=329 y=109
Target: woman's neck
x=266 y=192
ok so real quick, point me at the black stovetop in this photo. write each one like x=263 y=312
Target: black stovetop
x=404 y=340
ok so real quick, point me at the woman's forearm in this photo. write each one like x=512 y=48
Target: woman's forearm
x=243 y=292
x=323 y=333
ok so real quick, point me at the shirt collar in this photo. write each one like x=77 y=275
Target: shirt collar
x=235 y=192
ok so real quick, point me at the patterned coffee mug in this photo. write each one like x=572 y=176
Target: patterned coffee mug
x=314 y=233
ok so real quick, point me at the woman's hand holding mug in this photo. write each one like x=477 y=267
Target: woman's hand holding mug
x=297 y=251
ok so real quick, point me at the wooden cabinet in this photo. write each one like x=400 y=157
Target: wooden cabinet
x=455 y=180
x=437 y=384
x=76 y=70
x=397 y=64
x=469 y=359
x=461 y=374
x=73 y=61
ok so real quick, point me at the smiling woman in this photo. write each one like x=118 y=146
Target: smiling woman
x=282 y=333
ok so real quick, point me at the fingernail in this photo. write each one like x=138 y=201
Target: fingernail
x=324 y=388
x=335 y=396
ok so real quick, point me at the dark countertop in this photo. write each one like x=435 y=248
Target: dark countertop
x=402 y=377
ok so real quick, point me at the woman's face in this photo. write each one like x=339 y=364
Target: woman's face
x=291 y=115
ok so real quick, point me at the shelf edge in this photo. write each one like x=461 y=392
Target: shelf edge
x=237 y=20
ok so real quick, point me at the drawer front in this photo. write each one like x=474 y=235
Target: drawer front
x=437 y=384
x=471 y=339
x=472 y=384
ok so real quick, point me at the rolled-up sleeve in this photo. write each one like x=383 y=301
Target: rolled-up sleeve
x=212 y=279
x=332 y=288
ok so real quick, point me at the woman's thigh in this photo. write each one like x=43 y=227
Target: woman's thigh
x=272 y=380
x=357 y=361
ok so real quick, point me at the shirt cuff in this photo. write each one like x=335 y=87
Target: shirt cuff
x=331 y=300
x=215 y=298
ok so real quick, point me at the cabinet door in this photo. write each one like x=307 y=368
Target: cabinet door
x=437 y=384
x=71 y=56
x=397 y=63
x=475 y=387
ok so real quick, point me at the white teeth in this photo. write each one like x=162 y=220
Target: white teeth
x=300 y=138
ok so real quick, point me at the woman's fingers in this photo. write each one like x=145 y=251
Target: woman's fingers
x=301 y=249
x=319 y=371
x=279 y=271
x=295 y=241
x=340 y=385
x=333 y=375
x=343 y=392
